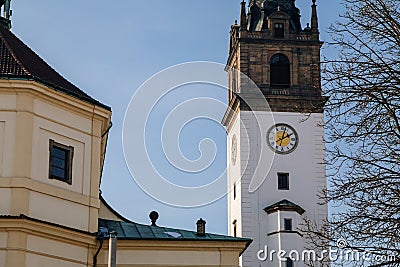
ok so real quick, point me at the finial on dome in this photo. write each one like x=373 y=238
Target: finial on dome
x=153 y=217
x=279 y=8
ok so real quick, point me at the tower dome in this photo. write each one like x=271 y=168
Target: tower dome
x=260 y=10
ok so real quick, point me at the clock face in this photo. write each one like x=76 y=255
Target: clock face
x=282 y=138
x=234 y=149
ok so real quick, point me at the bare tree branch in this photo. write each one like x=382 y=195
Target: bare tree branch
x=363 y=132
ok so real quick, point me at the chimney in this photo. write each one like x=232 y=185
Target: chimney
x=201 y=227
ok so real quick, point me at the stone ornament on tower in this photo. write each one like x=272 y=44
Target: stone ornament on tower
x=314 y=18
x=243 y=16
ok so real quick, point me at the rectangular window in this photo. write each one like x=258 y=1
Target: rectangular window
x=279 y=30
x=60 y=162
x=283 y=181
x=288 y=224
x=234 y=228
x=234 y=191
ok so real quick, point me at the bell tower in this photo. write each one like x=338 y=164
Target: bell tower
x=5 y=5
x=270 y=46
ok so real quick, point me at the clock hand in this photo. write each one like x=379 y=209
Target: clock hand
x=281 y=139
x=287 y=136
x=283 y=136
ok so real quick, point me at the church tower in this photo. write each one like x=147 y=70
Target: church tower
x=270 y=46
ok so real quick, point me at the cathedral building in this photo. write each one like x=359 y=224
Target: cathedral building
x=53 y=139
x=271 y=47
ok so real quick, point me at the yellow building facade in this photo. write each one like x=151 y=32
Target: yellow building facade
x=53 y=140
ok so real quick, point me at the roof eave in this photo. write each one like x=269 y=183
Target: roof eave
x=55 y=87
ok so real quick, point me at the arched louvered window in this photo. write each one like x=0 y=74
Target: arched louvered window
x=279 y=71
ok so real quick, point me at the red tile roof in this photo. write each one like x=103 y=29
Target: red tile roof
x=18 y=61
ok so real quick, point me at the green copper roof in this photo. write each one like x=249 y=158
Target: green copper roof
x=135 y=231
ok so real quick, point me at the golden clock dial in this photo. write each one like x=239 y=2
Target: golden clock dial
x=282 y=138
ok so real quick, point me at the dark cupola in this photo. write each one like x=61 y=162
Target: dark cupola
x=260 y=10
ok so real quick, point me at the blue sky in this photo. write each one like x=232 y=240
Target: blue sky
x=108 y=49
